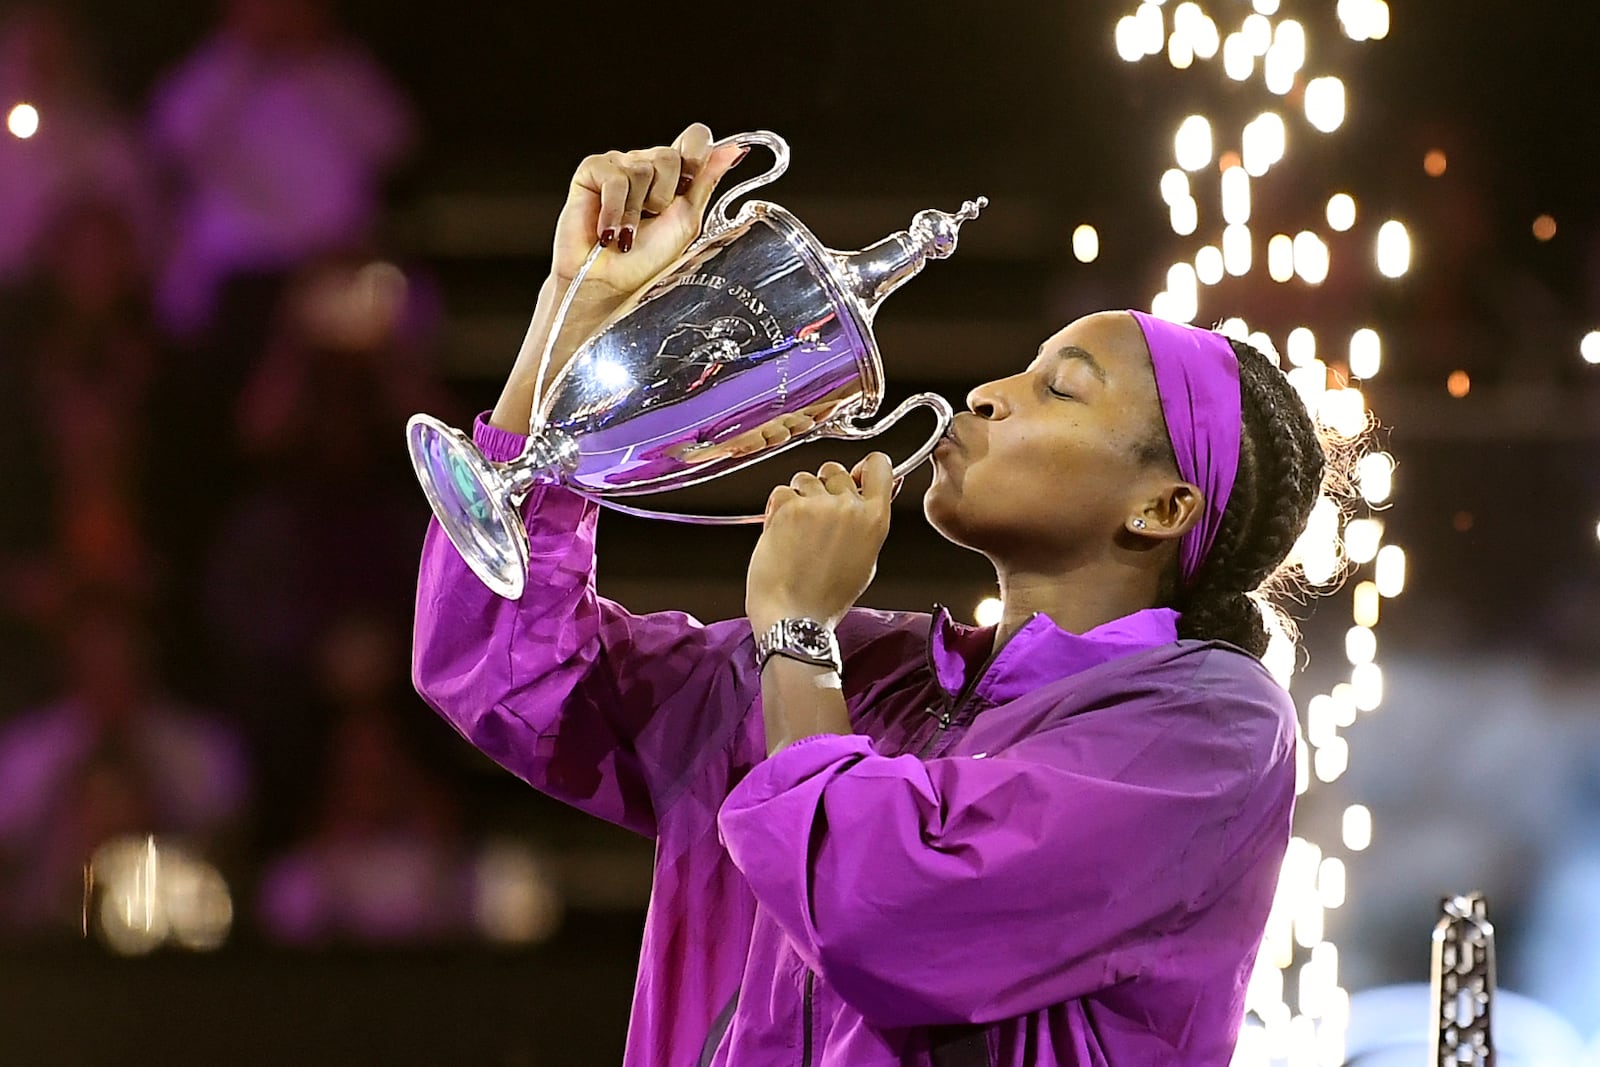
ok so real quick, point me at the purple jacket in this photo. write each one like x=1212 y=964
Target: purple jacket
x=1063 y=855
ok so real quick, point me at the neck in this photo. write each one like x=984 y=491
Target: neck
x=1076 y=600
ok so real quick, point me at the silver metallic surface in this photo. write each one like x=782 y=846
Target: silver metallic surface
x=756 y=340
x=1463 y=984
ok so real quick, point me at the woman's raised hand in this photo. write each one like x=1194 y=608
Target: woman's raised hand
x=645 y=206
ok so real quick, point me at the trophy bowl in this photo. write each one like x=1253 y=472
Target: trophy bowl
x=756 y=340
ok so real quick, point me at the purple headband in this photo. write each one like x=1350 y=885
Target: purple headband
x=1197 y=379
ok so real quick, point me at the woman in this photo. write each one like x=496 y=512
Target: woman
x=1050 y=842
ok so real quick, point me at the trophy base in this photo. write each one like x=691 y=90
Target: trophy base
x=474 y=502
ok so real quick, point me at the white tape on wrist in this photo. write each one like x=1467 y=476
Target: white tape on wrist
x=828 y=680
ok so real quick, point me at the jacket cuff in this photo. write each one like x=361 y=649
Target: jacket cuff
x=496 y=444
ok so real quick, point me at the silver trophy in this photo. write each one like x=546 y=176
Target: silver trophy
x=1463 y=984
x=755 y=324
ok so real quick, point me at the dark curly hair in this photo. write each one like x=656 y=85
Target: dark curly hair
x=1281 y=468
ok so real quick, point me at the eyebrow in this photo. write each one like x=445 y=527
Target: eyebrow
x=1084 y=357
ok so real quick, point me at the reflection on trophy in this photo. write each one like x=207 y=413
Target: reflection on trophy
x=757 y=339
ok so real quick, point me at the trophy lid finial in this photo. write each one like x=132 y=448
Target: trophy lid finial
x=938 y=230
x=873 y=273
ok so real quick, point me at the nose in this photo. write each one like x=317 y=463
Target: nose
x=987 y=401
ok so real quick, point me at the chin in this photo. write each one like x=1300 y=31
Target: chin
x=941 y=506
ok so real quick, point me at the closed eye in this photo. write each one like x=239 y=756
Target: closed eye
x=1063 y=394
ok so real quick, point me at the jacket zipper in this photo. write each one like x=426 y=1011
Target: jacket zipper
x=947 y=717
x=805 y=1034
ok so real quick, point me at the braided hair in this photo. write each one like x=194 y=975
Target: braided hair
x=1280 y=475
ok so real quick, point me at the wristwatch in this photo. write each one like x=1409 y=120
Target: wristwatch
x=806 y=640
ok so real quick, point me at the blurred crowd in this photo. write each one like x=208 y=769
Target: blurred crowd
x=208 y=529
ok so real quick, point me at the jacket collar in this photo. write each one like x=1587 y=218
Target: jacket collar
x=1039 y=653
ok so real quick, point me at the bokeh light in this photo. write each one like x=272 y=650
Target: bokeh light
x=988 y=612
x=23 y=121
x=1394 y=249
x=1086 y=243
x=1341 y=211
x=1589 y=347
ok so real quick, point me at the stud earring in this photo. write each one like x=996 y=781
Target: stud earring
x=1138 y=524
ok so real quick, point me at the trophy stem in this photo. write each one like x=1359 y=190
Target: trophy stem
x=548 y=454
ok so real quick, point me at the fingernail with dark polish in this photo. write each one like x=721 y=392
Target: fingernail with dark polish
x=684 y=182
x=607 y=236
x=625 y=240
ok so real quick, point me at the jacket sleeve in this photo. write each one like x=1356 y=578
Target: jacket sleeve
x=605 y=710
x=972 y=889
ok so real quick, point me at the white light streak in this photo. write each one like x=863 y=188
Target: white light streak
x=1236 y=196
x=1280 y=257
x=1262 y=343
x=1341 y=211
x=1289 y=39
x=1192 y=144
x=1086 y=243
x=1180 y=51
x=1235 y=328
x=1263 y=143
x=23 y=121
x=1367 y=680
x=1236 y=252
x=1343 y=412
x=1151 y=28
x=1367 y=604
x=1375 y=476
x=1362 y=539
x=1320 y=725
x=1130 y=45
x=1331 y=883
x=1238 y=61
x=1394 y=249
x=1185 y=215
x=1344 y=704
x=1310 y=381
x=1310 y=258
x=1174 y=186
x=1360 y=646
x=1325 y=103
x=1356 y=830
x=1589 y=347
x=1366 y=353
x=1257 y=32
x=1279 y=72
x=1313 y=1034
x=1390 y=571
x=1302 y=346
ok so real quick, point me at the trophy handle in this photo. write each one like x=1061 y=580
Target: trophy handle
x=717 y=219
x=942 y=413
x=843 y=431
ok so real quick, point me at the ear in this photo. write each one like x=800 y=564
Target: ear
x=1169 y=514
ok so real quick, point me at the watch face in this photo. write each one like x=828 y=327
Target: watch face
x=811 y=637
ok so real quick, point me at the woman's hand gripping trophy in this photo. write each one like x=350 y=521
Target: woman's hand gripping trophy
x=645 y=207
